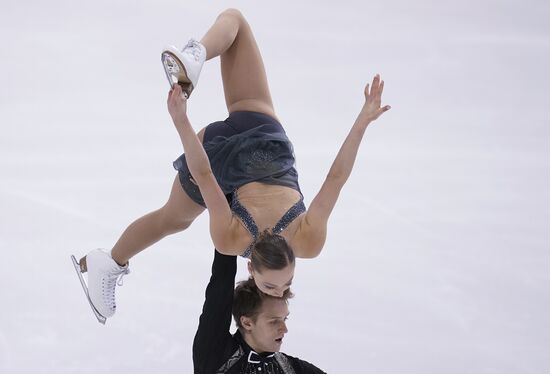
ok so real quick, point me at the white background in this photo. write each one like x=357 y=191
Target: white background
x=438 y=257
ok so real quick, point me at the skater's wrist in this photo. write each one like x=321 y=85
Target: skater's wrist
x=182 y=121
x=362 y=121
x=365 y=116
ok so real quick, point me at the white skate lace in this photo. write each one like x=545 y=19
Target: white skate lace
x=112 y=279
x=193 y=48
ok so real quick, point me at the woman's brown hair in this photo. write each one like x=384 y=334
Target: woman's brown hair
x=272 y=252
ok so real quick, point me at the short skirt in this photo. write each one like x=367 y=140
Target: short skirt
x=246 y=147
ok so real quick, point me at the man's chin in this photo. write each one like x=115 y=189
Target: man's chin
x=278 y=344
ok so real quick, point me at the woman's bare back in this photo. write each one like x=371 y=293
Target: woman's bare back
x=267 y=204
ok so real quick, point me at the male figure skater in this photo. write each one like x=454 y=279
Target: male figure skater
x=260 y=318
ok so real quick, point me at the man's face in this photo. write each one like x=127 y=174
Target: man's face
x=267 y=332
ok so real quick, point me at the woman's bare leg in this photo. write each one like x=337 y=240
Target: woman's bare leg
x=243 y=73
x=175 y=216
x=245 y=87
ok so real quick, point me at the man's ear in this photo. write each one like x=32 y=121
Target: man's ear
x=247 y=323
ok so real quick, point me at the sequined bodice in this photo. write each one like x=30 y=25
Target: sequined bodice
x=245 y=216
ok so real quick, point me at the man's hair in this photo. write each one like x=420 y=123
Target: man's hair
x=248 y=300
x=272 y=252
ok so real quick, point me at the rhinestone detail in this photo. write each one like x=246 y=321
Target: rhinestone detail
x=251 y=226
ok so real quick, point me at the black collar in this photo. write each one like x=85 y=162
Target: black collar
x=247 y=349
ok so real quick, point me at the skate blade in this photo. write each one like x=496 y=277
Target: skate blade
x=176 y=73
x=98 y=315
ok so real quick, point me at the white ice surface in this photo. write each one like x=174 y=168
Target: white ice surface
x=438 y=257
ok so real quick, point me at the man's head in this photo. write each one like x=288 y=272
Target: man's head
x=272 y=264
x=260 y=317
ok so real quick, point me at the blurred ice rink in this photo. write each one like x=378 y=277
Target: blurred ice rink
x=438 y=257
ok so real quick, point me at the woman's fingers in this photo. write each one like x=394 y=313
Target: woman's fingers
x=175 y=88
x=374 y=93
x=375 y=84
x=375 y=90
x=176 y=93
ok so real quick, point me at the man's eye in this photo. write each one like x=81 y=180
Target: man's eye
x=269 y=287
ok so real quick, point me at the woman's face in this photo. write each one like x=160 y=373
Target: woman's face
x=273 y=282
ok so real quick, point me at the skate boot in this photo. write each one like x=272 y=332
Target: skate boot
x=184 y=67
x=104 y=274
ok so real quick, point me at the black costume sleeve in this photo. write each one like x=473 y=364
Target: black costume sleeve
x=213 y=343
x=310 y=369
x=304 y=367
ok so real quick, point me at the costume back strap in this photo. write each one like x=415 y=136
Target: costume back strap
x=289 y=216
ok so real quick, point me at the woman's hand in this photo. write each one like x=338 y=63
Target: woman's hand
x=373 y=99
x=177 y=104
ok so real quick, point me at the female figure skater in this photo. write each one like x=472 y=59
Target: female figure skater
x=240 y=169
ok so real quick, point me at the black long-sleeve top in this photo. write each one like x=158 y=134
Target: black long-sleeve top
x=215 y=349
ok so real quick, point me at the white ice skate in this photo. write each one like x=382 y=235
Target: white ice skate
x=184 y=67
x=103 y=276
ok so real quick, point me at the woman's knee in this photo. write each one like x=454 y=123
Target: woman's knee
x=232 y=13
x=171 y=223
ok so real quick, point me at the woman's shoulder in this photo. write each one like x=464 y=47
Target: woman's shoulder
x=308 y=240
x=238 y=239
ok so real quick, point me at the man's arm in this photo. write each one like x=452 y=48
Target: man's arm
x=303 y=367
x=213 y=343
x=308 y=368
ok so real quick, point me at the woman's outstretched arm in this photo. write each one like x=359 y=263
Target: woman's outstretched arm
x=311 y=235
x=221 y=219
